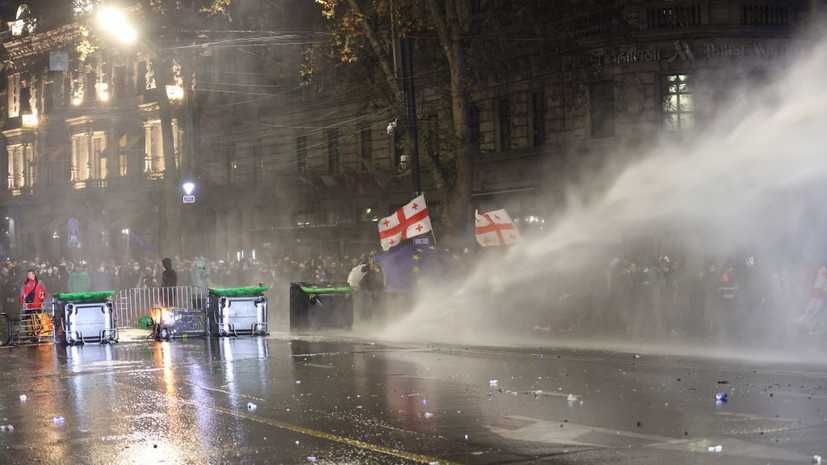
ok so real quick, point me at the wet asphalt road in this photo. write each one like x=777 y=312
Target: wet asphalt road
x=253 y=400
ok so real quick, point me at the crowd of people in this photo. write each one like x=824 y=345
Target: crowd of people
x=738 y=297
x=66 y=276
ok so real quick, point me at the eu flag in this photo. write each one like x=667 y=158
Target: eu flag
x=410 y=264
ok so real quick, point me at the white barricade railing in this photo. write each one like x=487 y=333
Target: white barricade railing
x=132 y=304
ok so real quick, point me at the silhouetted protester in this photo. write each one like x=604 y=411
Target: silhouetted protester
x=148 y=279
x=130 y=275
x=200 y=278
x=8 y=293
x=61 y=279
x=246 y=275
x=169 y=279
x=200 y=275
x=373 y=285
x=103 y=279
x=79 y=280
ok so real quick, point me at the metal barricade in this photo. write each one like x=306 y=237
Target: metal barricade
x=33 y=325
x=132 y=304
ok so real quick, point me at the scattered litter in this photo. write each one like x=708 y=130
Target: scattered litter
x=537 y=393
x=58 y=420
x=639 y=424
x=721 y=396
x=816 y=459
x=466 y=437
x=513 y=393
x=297 y=443
x=637 y=356
x=311 y=459
x=571 y=398
x=493 y=383
x=23 y=397
x=427 y=414
x=251 y=406
x=424 y=401
x=10 y=428
x=2 y=427
x=298 y=381
x=723 y=382
x=717 y=448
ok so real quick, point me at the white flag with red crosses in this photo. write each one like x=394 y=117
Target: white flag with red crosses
x=409 y=221
x=495 y=228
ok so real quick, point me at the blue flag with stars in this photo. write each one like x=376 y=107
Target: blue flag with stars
x=410 y=265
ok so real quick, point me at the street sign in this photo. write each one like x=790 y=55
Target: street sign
x=189 y=199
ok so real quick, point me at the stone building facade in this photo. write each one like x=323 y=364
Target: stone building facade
x=283 y=170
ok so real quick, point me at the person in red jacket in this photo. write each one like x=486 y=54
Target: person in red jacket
x=33 y=292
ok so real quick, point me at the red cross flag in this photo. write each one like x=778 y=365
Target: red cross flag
x=495 y=228
x=409 y=221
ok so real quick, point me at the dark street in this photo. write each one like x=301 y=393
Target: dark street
x=343 y=401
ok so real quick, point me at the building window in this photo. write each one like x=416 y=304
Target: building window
x=25 y=97
x=123 y=162
x=503 y=125
x=119 y=82
x=333 y=159
x=87 y=166
x=91 y=87
x=767 y=14
x=538 y=119
x=677 y=107
x=21 y=169
x=365 y=145
x=49 y=94
x=474 y=134
x=673 y=16
x=602 y=109
x=16 y=94
x=154 y=161
x=301 y=155
x=140 y=77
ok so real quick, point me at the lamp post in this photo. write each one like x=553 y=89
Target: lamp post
x=115 y=23
x=189 y=198
x=410 y=106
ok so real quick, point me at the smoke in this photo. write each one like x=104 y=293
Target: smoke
x=735 y=204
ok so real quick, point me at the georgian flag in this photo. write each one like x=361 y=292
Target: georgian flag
x=495 y=228
x=409 y=221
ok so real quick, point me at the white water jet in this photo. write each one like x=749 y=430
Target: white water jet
x=748 y=184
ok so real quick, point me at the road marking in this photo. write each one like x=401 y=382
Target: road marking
x=328 y=436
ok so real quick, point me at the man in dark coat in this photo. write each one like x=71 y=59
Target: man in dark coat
x=169 y=278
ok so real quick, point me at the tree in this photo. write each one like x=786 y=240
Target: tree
x=457 y=42
x=365 y=32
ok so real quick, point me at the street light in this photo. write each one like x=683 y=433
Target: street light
x=189 y=187
x=113 y=21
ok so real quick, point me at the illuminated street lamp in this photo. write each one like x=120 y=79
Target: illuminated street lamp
x=189 y=187
x=113 y=21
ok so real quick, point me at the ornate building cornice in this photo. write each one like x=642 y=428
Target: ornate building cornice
x=34 y=46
